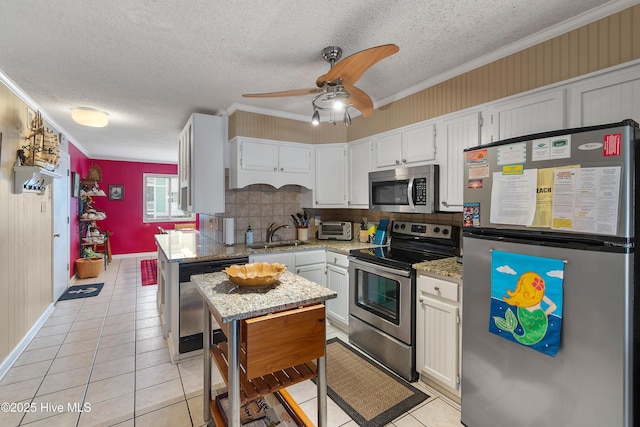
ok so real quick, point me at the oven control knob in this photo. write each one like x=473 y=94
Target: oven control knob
x=396 y=226
x=445 y=231
x=403 y=226
x=436 y=229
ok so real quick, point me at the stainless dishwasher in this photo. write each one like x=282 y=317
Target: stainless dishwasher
x=191 y=304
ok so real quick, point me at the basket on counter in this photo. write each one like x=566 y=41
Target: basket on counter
x=89 y=267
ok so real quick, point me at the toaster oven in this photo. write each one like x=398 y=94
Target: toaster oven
x=334 y=230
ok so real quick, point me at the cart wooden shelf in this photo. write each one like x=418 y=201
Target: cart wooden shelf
x=276 y=351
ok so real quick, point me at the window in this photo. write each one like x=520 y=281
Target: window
x=161 y=199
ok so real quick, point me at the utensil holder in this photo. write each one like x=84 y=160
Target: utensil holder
x=303 y=233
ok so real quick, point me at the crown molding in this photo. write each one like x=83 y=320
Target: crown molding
x=548 y=33
x=17 y=91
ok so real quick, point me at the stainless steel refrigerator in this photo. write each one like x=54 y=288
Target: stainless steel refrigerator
x=549 y=316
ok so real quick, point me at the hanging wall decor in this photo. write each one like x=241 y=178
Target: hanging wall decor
x=42 y=148
x=116 y=192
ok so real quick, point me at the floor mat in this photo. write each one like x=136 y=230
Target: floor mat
x=370 y=395
x=149 y=271
x=81 y=291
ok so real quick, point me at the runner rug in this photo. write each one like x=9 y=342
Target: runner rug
x=81 y=291
x=371 y=395
x=149 y=271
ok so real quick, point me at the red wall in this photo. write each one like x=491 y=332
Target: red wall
x=124 y=217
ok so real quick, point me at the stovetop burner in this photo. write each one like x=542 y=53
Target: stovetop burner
x=412 y=243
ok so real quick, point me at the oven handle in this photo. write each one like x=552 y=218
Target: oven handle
x=410 y=193
x=370 y=265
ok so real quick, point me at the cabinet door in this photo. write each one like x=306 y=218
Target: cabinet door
x=526 y=115
x=419 y=144
x=294 y=159
x=606 y=99
x=330 y=188
x=338 y=281
x=387 y=150
x=359 y=154
x=457 y=133
x=313 y=272
x=437 y=340
x=184 y=167
x=259 y=156
x=285 y=258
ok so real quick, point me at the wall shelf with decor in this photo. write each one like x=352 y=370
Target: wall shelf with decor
x=32 y=178
x=37 y=159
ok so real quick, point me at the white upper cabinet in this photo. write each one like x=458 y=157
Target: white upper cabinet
x=359 y=158
x=262 y=161
x=407 y=146
x=525 y=115
x=454 y=135
x=201 y=164
x=606 y=99
x=294 y=158
x=330 y=189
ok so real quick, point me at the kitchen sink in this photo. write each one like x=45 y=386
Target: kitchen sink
x=278 y=244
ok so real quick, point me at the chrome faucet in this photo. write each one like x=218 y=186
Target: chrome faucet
x=271 y=231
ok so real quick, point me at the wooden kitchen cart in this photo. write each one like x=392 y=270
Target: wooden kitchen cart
x=273 y=337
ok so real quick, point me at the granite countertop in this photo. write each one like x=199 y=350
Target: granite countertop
x=446 y=267
x=191 y=246
x=291 y=291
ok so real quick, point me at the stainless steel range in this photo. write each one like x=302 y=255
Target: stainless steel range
x=382 y=292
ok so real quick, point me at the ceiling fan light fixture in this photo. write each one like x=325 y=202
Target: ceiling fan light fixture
x=315 y=119
x=86 y=116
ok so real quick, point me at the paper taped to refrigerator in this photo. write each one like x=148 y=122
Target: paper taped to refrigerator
x=586 y=200
x=513 y=198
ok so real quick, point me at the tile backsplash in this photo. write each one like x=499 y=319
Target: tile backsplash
x=257 y=206
x=260 y=205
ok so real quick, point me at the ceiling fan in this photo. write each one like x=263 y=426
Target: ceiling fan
x=335 y=90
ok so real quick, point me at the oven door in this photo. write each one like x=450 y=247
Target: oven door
x=381 y=296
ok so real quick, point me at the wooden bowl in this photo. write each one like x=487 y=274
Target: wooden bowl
x=255 y=275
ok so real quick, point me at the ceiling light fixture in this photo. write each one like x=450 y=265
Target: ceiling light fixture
x=315 y=119
x=89 y=117
x=331 y=99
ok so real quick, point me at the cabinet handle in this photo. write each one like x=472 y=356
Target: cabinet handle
x=281 y=169
x=404 y=160
x=298 y=271
x=275 y=169
x=397 y=162
x=448 y=205
x=421 y=300
x=436 y=288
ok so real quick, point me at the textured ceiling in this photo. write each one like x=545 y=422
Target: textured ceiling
x=150 y=64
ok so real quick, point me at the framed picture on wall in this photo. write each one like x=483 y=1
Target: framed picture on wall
x=116 y=192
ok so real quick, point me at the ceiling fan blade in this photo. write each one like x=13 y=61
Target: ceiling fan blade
x=353 y=67
x=360 y=100
x=293 y=92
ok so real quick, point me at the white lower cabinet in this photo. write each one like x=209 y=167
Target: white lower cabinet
x=285 y=258
x=338 y=281
x=438 y=332
x=309 y=264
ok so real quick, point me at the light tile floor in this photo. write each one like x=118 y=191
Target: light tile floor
x=102 y=361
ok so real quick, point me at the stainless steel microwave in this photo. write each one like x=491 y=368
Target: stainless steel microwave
x=410 y=189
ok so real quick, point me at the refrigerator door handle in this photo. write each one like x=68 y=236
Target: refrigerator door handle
x=410 y=193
